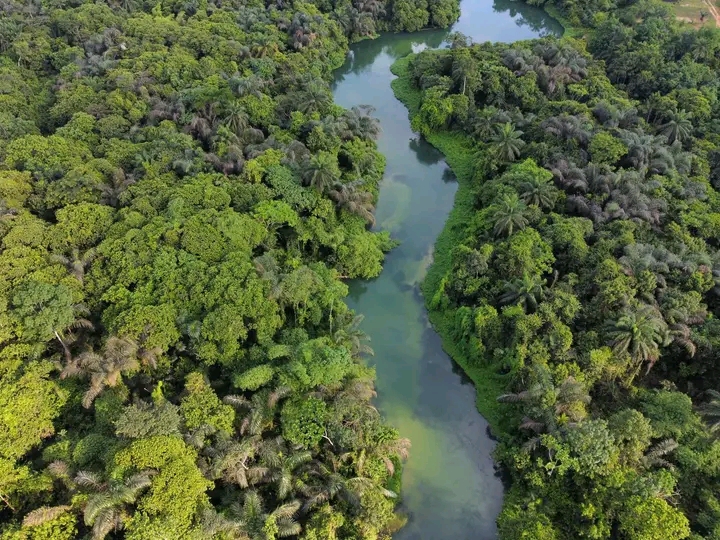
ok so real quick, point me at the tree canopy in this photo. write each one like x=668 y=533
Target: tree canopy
x=180 y=202
x=584 y=276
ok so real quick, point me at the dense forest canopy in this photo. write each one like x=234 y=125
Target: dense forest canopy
x=180 y=200
x=586 y=267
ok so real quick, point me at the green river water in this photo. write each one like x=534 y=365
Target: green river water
x=450 y=487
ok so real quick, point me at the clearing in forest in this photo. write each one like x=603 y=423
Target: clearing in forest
x=692 y=11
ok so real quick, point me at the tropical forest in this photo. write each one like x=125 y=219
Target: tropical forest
x=359 y=269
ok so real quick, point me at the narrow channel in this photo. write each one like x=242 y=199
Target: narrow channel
x=450 y=489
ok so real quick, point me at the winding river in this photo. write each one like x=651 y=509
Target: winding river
x=450 y=489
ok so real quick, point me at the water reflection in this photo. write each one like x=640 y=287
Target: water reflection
x=451 y=490
x=424 y=152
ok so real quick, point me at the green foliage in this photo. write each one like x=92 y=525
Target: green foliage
x=254 y=378
x=649 y=518
x=179 y=203
x=303 y=422
x=30 y=402
x=606 y=149
x=565 y=275
x=177 y=492
x=202 y=406
x=61 y=527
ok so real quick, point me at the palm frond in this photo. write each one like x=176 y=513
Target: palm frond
x=59 y=469
x=44 y=514
x=89 y=479
x=236 y=400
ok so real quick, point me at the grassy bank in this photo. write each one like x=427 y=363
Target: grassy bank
x=458 y=151
x=569 y=30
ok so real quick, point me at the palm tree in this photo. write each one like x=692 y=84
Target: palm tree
x=349 y=334
x=538 y=192
x=260 y=409
x=295 y=153
x=333 y=484
x=236 y=119
x=384 y=450
x=527 y=292
x=110 y=193
x=561 y=399
x=320 y=172
x=200 y=127
x=678 y=126
x=376 y=7
x=106 y=509
x=509 y=215
x=216 y=525
x=354 y=200
x=507 y=143
x=119 y=355
x=66 y=336
x=315 y=98
x=233 y=461
x=639 y=333
x=257 y=523
x=281 y=464
x=655 y=456
x=567 y=127
x=544 y=403
x=569 y=176
x=640 y=148
x=361 y=123
x=682 y=160
x=247 y=86
x=710 y=411
x=75 y=262
x=269 y=271
x=263 y=48
x=183 y=165
x=661 y=161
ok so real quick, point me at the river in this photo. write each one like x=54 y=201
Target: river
x=450 y=489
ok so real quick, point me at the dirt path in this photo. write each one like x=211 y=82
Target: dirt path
x=713 y=11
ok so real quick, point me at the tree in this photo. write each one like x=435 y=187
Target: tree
x=640 y=333
x=29 y=400
x=509 y=215
x=465 y=72
x=354 y=200
x=236 y=118
x=527 y=292
x=119 y=355
x=538 y=192
x=409 y=16
x=201 y=406
x=710 y=411
x=320 y=172
x=263 y=525
x=506 y=142
x=46 y=311
x=677 y=127
x=106 y=509
x=76 y=263
x=303 y=421
x=648 y=518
